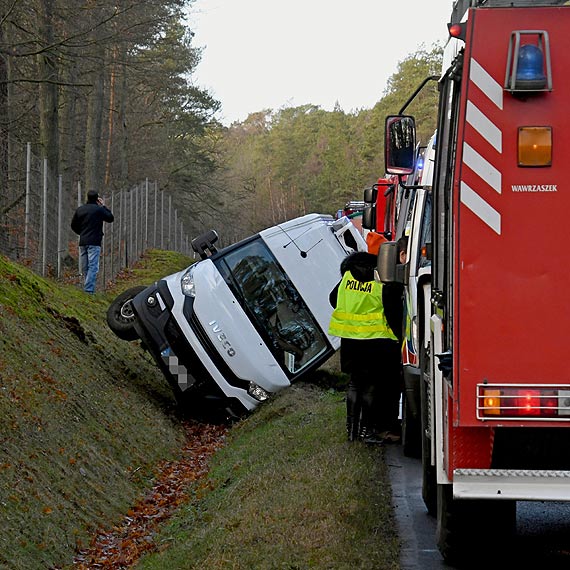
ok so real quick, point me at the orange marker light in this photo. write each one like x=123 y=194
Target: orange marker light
x=491 y=402
x=535 y=146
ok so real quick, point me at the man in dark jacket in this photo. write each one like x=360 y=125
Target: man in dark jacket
x=369 y=350
x=87 y=222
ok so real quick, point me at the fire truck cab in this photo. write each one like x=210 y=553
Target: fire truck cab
x=495 y=399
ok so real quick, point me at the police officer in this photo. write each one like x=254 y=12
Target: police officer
x=369 y=350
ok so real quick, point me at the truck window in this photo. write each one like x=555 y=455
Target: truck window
x=273 y=305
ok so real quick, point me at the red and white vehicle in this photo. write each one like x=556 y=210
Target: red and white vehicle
x=381 y=202
x=495 y=396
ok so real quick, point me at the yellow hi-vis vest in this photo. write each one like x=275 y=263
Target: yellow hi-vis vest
x=359 y=311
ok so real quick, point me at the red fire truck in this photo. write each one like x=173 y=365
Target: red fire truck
x=380 y=209
x=495 y=396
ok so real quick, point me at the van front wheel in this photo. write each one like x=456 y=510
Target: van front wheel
x=120 y=315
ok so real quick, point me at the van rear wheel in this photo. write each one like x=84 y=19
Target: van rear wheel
x=120 y=315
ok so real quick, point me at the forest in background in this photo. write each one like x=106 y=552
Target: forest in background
x=279 y=164
x=104 y=91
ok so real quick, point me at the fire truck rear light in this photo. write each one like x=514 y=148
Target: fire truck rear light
x=522 y=402
x=492 y=402
x=535 y=146
x=564 y=402
x=527 y=402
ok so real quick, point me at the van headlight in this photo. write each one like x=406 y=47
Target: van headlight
x=257 y=392
x=187 y=282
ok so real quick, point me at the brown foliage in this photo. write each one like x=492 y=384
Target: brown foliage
x=122 y=545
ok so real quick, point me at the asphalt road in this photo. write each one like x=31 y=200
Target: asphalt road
x=543 y=529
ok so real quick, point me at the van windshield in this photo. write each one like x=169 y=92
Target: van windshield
x=273 y=304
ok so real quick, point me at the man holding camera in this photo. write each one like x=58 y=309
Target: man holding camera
x=87 y=222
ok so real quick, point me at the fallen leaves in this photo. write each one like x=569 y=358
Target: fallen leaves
x=121 y=546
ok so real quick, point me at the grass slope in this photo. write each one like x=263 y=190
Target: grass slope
x=85 y=418
x=287 y=492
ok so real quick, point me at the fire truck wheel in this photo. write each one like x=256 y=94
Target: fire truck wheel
x=453 y=526
x=429 y=477
x=120 y=316
x=460 y=522
x=411 y=431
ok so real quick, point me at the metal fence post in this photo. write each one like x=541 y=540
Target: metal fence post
x=112 y=248
x=175 y=228
x=162 y=220
x=130 y=226
x=145 y=247
x=169 y=221
x=44 y=219
x=79 y=268
x=136 y=220
x=28 y=198
x=121 y=229
x=155 y=214
x=59 y=223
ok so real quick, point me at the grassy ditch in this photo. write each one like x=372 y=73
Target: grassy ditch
x=287 y=492
x=85 y=418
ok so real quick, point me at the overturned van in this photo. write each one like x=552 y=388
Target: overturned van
x=245 y=321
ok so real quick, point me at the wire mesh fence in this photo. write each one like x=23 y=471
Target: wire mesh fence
x=35 y=214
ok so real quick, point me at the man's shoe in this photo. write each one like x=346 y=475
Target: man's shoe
x=390 y=437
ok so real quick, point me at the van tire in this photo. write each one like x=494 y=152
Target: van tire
x=120 y=315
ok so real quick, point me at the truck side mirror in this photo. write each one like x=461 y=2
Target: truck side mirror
x=369 y=212
x=369 y=217
x=400 y=144
x=388 y=268
x=370 y=195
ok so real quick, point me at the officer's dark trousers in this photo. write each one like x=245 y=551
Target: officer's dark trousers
x=373 y=394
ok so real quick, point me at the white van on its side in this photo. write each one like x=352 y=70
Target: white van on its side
x=247 y=320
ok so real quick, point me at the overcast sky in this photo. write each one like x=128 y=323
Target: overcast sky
x=261 y=54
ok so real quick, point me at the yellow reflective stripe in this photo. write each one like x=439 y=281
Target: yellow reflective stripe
x=353 y=317
x=344 y=327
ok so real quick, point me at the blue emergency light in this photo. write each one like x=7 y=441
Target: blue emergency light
x=528 y=62
x=530 y=68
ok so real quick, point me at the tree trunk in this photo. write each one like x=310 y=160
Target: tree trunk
x=93 y=141
x=123 y=170
x=69 y=159
x=4 y=193
x=48 y=73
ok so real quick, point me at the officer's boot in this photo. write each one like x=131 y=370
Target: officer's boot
x=352 y=418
